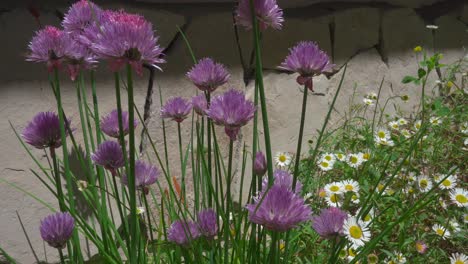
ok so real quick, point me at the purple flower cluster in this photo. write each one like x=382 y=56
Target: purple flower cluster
x=268 y=14
x=184 y=232
x=329 y=224
x=43 y=131
x=57 y=229
x=232 y=111
x=279 y=208
x=145 y=175
x=90 y=33
x=109 y=155
x=208 y=75
x=199 y=104
x=176 y=108
x=284 y=179
x=308 y=60
x=110 y=124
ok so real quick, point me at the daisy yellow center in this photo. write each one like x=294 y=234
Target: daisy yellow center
x=380 y=187
x=465 y=217
x=354 y=197
x=367 y=218
x=423 y=183
x=366 y=156
x=440 y=231
x=324 y=164
x=418 y=126
x=334 y=188
x=419 y=247
x=355 y=232
x=351 y=253
x=381 y=134
x=348 y=187
x=340 y=156
x=322 y=194
x=395 y=125
x=461 y=198
x=353 y=159
x=459 y=261
x=282 y=158
x=334 y=198
x=446 y=183
x=328 y=158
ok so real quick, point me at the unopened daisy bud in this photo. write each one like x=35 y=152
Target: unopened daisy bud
x=405 y=98
x=417 y=49
x=449 y=84
x=82 y=185
x=372 y=259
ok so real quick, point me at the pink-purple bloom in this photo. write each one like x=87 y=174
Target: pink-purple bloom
x=127 y=38
x=232 y=111
x=278 y=209
x=145 y=175
x=109 y=155
x=206 y=220
x=267 y=12
x=308 y=60
x=43 y=131
x=260 y=164
x=176 y=108
x=49 y=45
x=78 y=57
x=208 y=75
x=182 y=233
x=110 y=123
x=283 y=178
x=200 y=104
x=79 y=16
x=329 y=224
x=57 y=229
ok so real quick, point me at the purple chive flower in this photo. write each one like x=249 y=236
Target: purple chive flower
x=199 y=104
x=208 y=75
x=127 y=38
x=145 y=175
x=308 y=60
x=176 y=108
x=268 y=14
x=109 y=155
x=278 y=209
x=78 y=57
x=79 y=16
x=57 y=229
x=49 y=45
x=110 y=124
x=260 y=165
x=232 y=111
x=43 y=131
x=329 y=224
x=284 y=179
x=207 y=223
x=182 y=233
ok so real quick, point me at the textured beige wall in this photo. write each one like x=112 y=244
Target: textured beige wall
x=375 y=41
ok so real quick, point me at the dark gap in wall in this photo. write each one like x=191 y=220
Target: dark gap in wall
x=430 y=12
x=331 y=33
x=380 y=45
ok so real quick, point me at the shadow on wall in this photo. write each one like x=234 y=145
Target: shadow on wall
x=342 y=28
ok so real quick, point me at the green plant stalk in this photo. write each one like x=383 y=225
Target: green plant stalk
x=208 y=130
x=259 y=80
x=119 y=207
x=299 y=140
x=100 y=172
x=58 y=180
x=76 y=241
x=228 y=202
x=134 y=236
x=376 y=104
x=181 y=160
x=62 y=259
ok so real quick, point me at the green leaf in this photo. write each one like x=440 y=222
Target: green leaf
x=96 y=259
x=408 y=79
x=421 y=73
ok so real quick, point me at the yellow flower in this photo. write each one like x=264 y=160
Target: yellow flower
x=449 y=84
x=417 y=49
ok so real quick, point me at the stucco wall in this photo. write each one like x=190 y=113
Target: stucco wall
x=375 y=39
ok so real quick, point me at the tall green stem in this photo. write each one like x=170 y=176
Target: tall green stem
x=299 y=140
x=181 y=156
x=58 y=180
x=228 y=203
x=131 y=172
x=62 y=259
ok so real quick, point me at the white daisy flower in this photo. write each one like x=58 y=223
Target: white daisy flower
x=334 y=199
x=417 y=125
x=308 y=195
x=411 y=177
x=441 y=231
x=325 y=165
x=435 y=120
x=371 y=95
x=355 y=198
x=282 y=159
x=408 y=190
x=432 y=27
x=399 y=258
x=368 y=101
x=448 y=183
x=355 y=160
x=401 y=121
x=424 y=183
x=328 y=157
x=368 y=217
x=394 y=125
x=384 y=142
x=464 y=128
x=357 y=232
x=442 y=203
x=406 y=133
x=334 y=187
x=140 y=210
x=382 y=133
x=340 y=156
x=454 y=225
x=350 y=186
x=351 y=254
x=82 y=185
x=459 y=197
x=365 y=156
x=465 y=218
x=458 y=258
x=465 y=142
